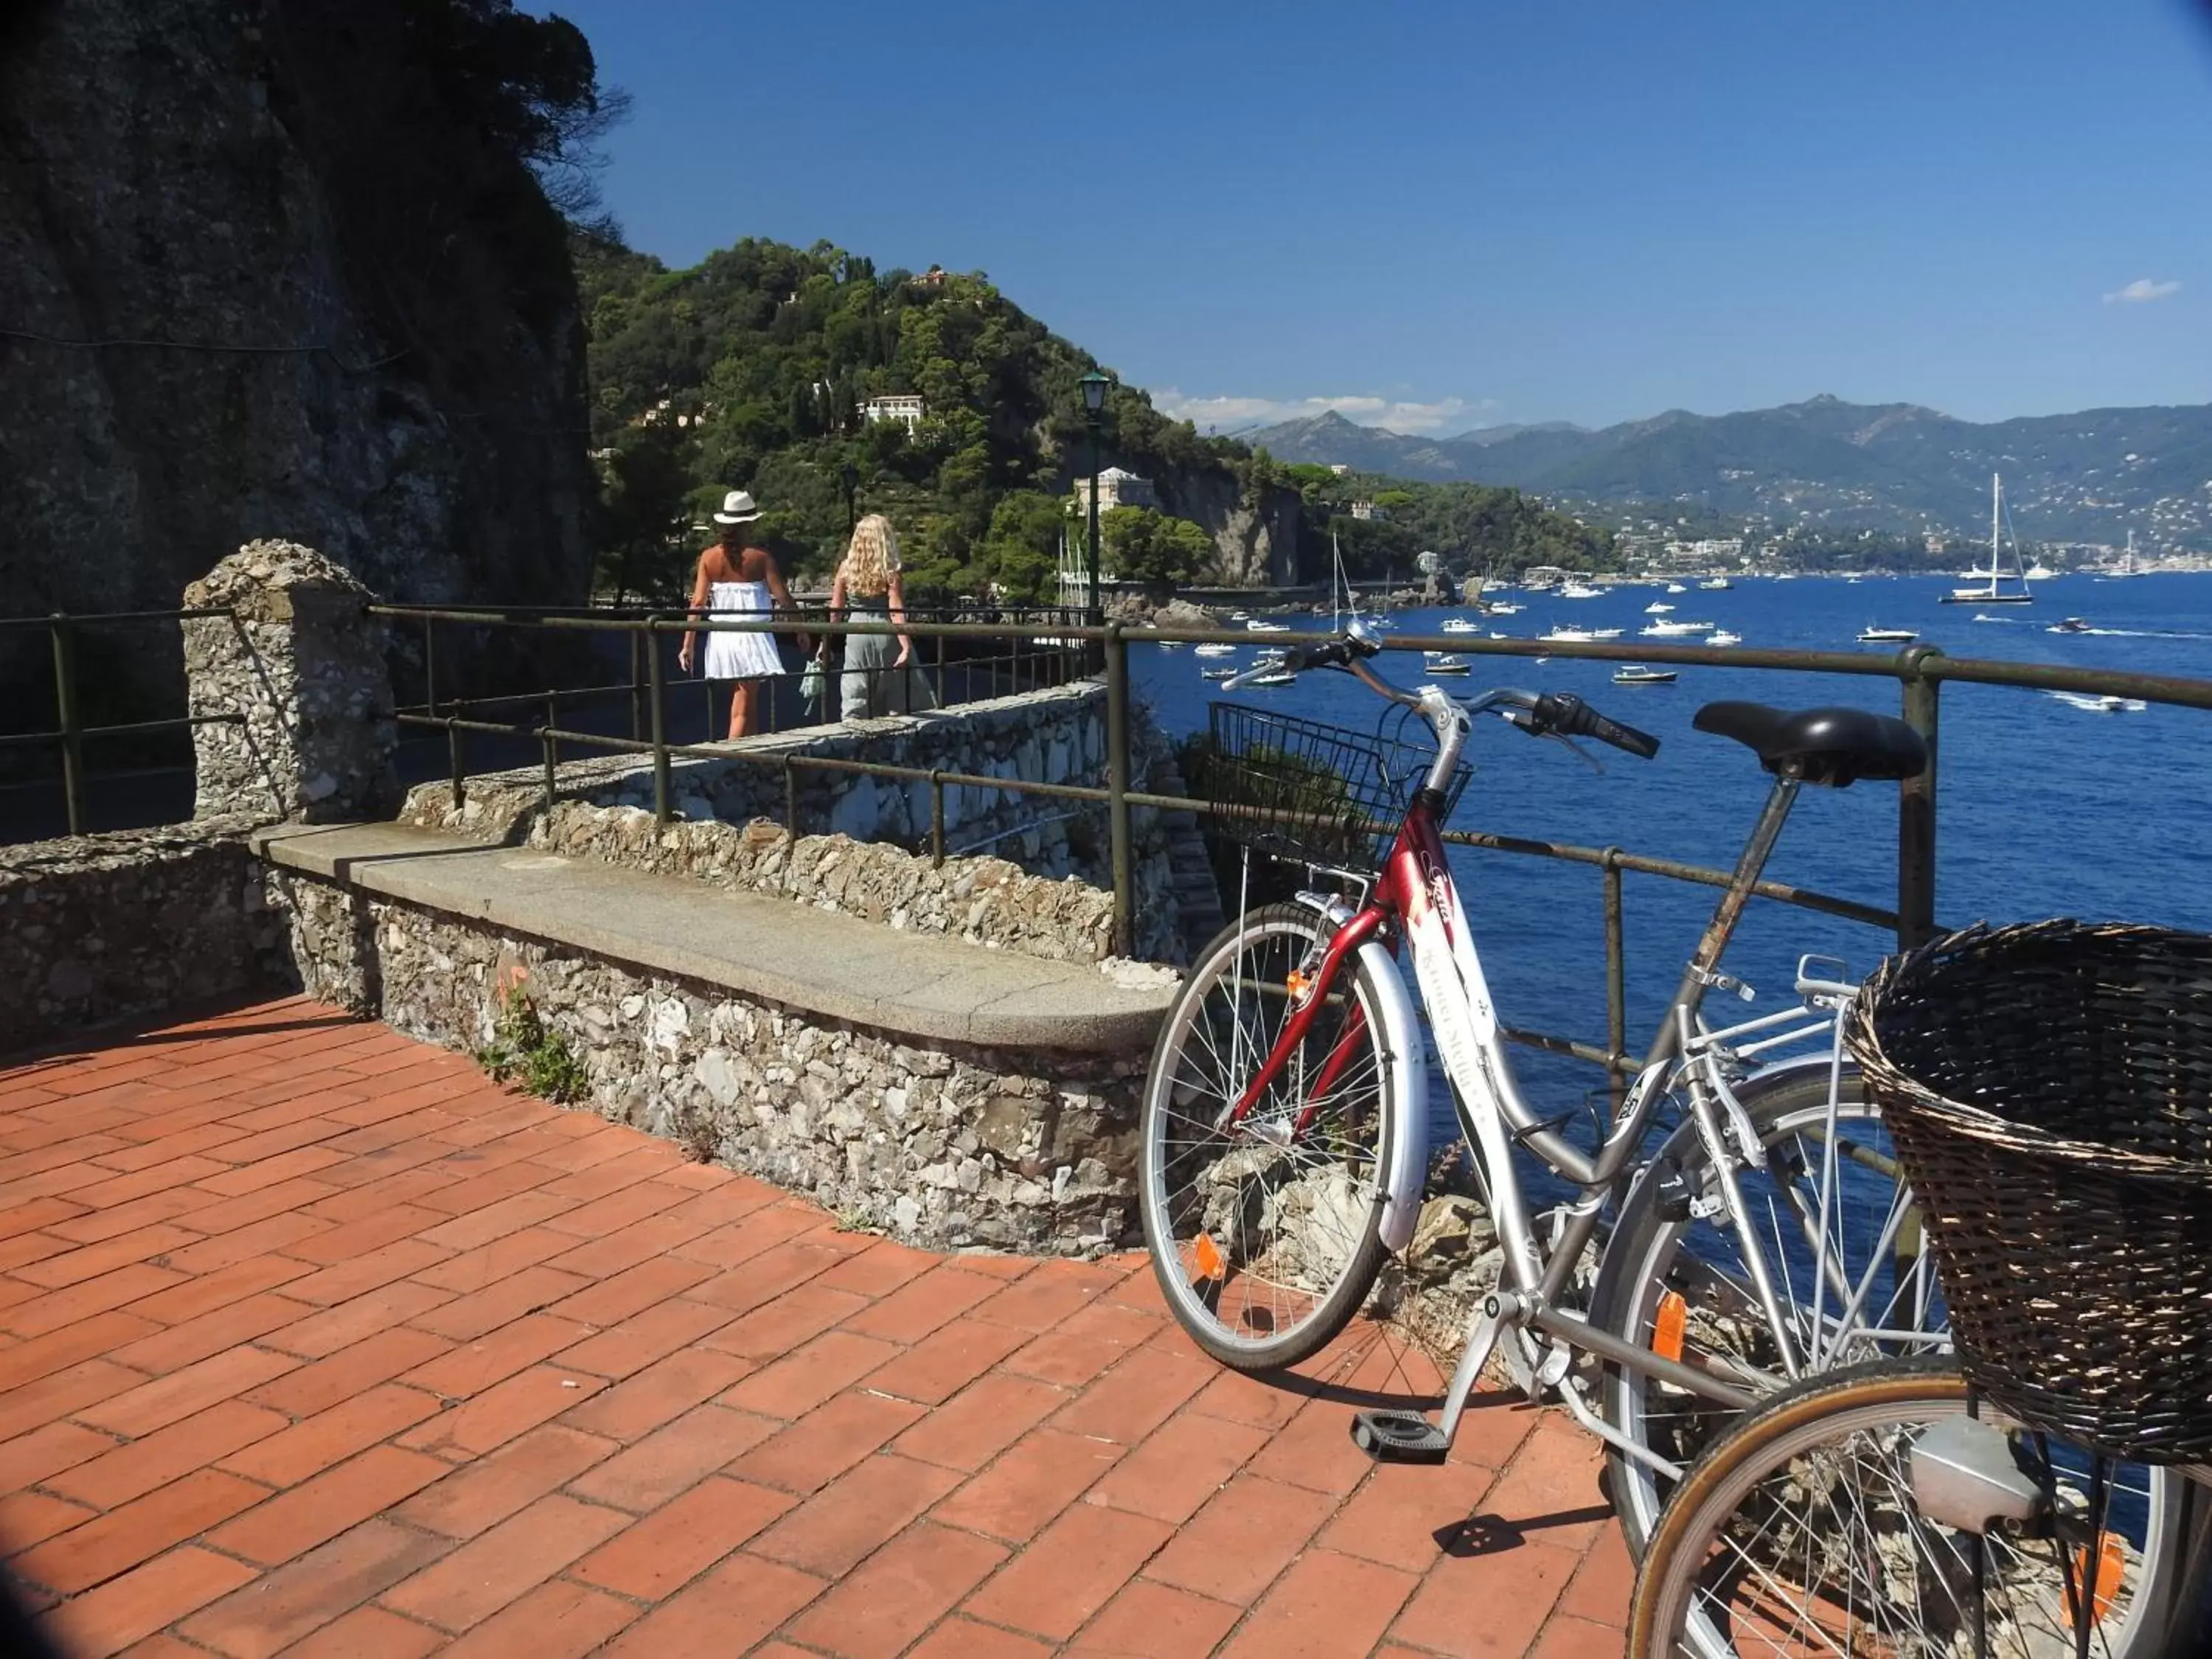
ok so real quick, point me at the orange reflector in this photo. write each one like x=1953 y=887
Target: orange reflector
x=1297 y=984
x=1666 y=1329
x=1208 y=1257
x=2111 y=1573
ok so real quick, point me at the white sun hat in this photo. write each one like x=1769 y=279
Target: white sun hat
x=737 y=507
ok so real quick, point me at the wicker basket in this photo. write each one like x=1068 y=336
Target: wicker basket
x=2050 y=1090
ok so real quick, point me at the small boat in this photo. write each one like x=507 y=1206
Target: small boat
x=1217 y=650
x=1676 y=587
x=2070 y=625
x=1277 y=676
x=1581 y=590
x=1266 y=628
x=1872 y=636
x=1724 y=637
x=1240 y=616
x=1991 y=590
x=1568 y=636
x=1459 y=625
x=1504 y=609
x=2091 y=703
x=1443 y=662
x=1495 y=634
x=1636 y=674
x=1674 y=629
x=1656 y=609
x=1216 y=673
x=1716 y=585
x=1170 y=645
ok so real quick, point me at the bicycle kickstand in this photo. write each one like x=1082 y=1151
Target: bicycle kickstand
x=1407 y=1437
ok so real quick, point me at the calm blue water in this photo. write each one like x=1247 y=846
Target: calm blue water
x=2044 y=809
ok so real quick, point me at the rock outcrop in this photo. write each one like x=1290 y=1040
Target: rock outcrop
x=258 y=280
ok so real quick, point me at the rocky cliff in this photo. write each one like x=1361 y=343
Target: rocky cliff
x=262 y=274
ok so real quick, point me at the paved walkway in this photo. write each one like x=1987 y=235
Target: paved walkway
x=312 y=1342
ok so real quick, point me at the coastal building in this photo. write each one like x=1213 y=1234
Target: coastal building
x=1339 y=468
x=1370 y=512
x=1116 y=488
x=906 y=409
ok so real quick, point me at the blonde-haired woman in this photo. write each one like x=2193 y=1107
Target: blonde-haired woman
x=880 y=676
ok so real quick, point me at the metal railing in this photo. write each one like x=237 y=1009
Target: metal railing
x=1920 y=672
x=71 y=732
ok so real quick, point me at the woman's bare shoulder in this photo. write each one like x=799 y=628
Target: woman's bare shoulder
x=755 y=563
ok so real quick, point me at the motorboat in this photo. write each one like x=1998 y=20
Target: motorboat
x=1568 y=636
x=1581 y=590
x=1256 y=626
x=1217 y=651
x=1676 y=587
x=2090 y=702
x=2070 y=625
x=1991 y=588
x=1240 y=616
x=2041 y=572
x=1443 y=662
x=1656 y=609
x=1273 y=676
x=1459 y=625
x=1504 y=610
x=1636 y=674
x=1716 y=585
x=1722 y=636
x=1216 y=673
x=1872 y=636
x=1675 y=629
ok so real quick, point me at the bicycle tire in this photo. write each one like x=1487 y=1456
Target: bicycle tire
x=1358 y=1242
x=1643 y=1253
x=1765 y=1444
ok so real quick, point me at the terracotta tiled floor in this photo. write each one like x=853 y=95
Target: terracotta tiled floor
x=312 y=1341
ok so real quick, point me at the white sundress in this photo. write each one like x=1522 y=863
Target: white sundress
x=734 y=656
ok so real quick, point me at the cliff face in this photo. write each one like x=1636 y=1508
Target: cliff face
x=253 y=284
x=1253 y=546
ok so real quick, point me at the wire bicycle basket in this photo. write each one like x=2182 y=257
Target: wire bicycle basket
x=2049 y=1088
x=1310 y=792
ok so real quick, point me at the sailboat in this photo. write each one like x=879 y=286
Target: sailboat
x=1994 y=593
x=1340 y=590
x=2127 y=565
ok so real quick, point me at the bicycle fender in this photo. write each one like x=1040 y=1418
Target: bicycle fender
x=1407 y=1055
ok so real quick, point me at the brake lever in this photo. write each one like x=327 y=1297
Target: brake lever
x=1577 y=752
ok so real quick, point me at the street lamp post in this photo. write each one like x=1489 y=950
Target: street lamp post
x=1094 y=386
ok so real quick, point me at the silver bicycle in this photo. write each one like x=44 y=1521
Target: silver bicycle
x=1285 y=1128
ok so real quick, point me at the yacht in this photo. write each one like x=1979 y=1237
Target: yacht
x=1656 y=609
x=1460 y=625
x=1581 y=590
x=1722 y=636
x=1217 y=651
x=1676 y=587
x=1716 y=585
x=1636 y=674
x=1664 y=630
x=1443 y=662
x=1991 y=589
x=1273 y=676
x=2041 y=572
x=1504 y=610
x=1872 y=636
x=2070 y=625
x=1256 y=626
x=1570 y=635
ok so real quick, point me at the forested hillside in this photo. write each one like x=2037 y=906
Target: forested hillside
x=753 y=368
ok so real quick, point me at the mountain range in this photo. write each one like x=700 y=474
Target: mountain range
x=1896 y=467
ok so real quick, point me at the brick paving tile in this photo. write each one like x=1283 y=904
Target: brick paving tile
x=875 y=1612
x=368 y=1633
x=802 y=1379
x=483 y=1576
x=963 y=1638
x=1409 y=1515
x=675 y=1457
x=481 y=1494
x=981 y=1421
x=1153 y=1621
x=833 y=1530
x=914 y=1309
x=946 y=1360
x=1181 y=1466
x=1234 y=1547
x=683 y=1538
x=280 y=1607
x=558 y=1621
x=316 y=1511
x=120 y=1612
x=821 y=1446
x=1073 y=1570
x=1488 y=1606
x=720 y=1615
x=1327 y=1604
x=312 y=1339
x=1040 y=1475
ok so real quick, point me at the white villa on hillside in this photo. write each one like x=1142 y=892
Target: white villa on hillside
x=906 y=409
x=1115 y=488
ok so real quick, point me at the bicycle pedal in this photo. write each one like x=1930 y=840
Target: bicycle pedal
x=1390 y=1437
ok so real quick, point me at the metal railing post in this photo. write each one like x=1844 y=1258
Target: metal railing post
x=431 y=664
x=552 y=745
x=656 y=684
x=1117 y=785
x=1616 y=979
x=1916 y=805
x=72 y=727
x=453 y=739
x=936 y=818
x=636 y=688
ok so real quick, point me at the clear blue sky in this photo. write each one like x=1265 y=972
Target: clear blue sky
x=1445 y=215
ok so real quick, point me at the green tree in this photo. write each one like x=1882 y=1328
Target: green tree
x=1146 y=546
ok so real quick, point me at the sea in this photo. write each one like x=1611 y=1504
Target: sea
x=2044 y=808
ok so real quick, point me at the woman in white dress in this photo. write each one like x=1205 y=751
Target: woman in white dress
x=738 y=579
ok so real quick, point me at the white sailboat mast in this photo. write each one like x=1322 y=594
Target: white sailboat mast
x=1996 y=504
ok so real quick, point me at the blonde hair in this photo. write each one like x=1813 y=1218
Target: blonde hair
x=873 y=558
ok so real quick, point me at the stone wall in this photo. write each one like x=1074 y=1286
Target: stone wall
x=983 y=900
x=98 y=928
x=944 y=1146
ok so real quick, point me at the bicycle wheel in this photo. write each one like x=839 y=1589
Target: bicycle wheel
x=1265 y=1233
x=1800 y=1534
x=1679 y=1283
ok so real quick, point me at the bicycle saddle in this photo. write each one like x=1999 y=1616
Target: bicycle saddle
x=1834 y=746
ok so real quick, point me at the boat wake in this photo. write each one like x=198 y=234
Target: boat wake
x=2128 y=633
x=2089 y=703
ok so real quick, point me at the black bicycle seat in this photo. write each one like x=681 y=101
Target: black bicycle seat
x=1834 y=746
